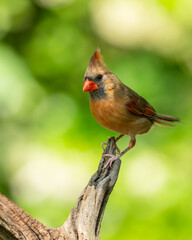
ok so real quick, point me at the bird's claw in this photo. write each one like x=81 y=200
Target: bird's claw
x=110 y=160
x=107 y=155
x=112 y=157
x=103 y=144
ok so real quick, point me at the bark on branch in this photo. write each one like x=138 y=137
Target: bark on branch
x=84 y=221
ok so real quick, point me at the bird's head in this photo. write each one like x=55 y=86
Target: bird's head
x=97 y=77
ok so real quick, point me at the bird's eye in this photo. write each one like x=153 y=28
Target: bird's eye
x=99 y=77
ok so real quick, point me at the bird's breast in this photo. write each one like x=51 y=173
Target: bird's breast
x=115 y=116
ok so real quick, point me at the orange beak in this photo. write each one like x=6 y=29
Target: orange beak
x=89 y=86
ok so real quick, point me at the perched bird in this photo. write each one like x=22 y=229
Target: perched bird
x=117 y=107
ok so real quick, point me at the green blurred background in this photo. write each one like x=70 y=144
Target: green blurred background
x=48 y=135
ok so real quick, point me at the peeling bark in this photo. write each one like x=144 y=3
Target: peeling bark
x=84 y=221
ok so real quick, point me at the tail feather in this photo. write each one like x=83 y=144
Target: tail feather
x=167 y=118
x=164 y=120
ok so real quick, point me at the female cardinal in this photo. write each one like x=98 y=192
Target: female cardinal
x=116 y=106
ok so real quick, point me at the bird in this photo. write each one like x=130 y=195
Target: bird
x=117 y=107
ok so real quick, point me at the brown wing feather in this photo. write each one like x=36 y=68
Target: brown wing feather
x=139 y=106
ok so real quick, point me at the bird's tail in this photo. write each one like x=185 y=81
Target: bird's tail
x=165 y=120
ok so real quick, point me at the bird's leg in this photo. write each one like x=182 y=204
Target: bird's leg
x=116 y=139
x=118 y=150
x=114 y=158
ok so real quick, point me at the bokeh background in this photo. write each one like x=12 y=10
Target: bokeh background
x=50 y=145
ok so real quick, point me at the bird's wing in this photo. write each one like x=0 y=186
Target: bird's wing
x=139 y=106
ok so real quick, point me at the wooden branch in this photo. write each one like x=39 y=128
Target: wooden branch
x=83 y=223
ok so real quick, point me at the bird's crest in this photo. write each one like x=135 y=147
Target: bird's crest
x=96 y=59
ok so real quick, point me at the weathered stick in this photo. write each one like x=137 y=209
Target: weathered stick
x=83 y=223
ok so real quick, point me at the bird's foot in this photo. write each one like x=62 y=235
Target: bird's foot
x=114 y=158
x=103 y=144
x=107 y=155
x=110 y=160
